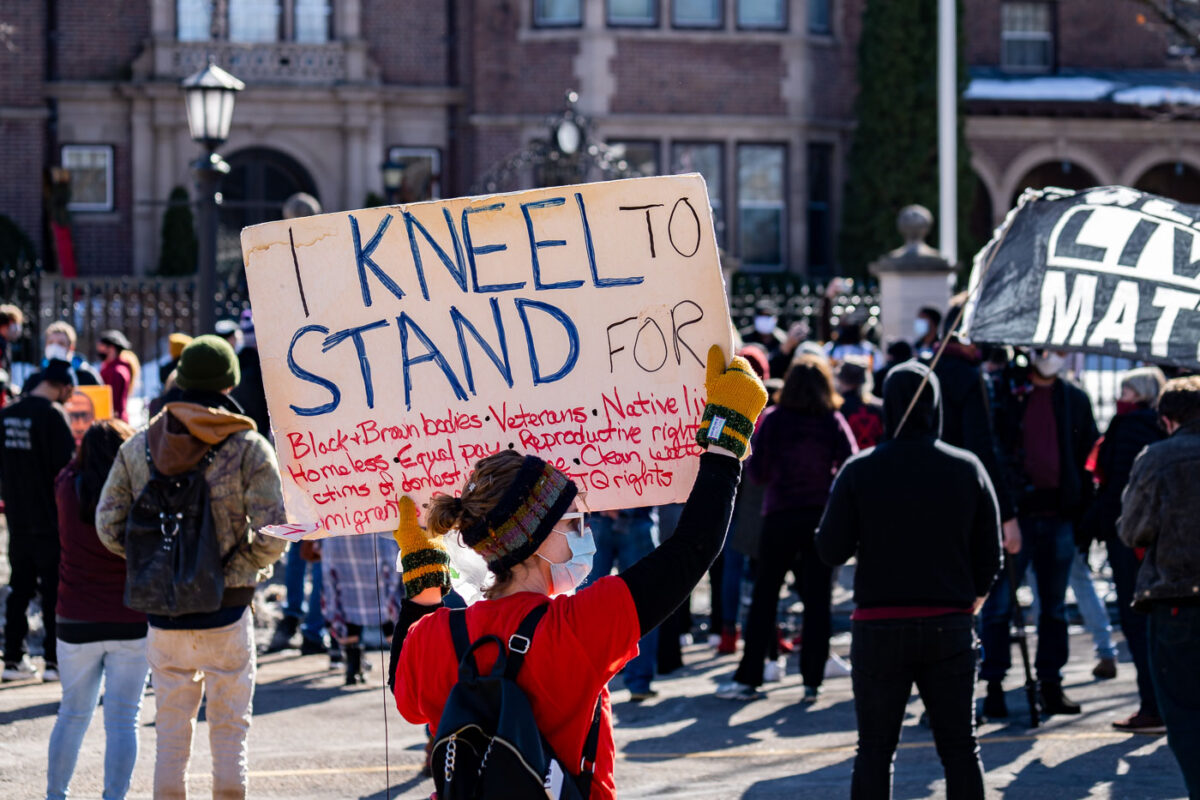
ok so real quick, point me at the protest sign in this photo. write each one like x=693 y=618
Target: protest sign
x=86 y=405
x=1108 y=270
x=400 y=345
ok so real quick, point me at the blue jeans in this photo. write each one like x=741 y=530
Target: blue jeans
x=122 y=664
x=1091 y=607
x=1049 y=544
x=622 y=542
x=1174 y=667
x=293 y=578
x=731 y=586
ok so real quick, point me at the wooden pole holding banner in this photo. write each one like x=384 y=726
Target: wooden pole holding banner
x=947 y=97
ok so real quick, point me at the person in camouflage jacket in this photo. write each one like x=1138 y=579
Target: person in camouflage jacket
x=245 y=495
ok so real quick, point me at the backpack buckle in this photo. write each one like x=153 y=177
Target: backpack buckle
x=518 y=643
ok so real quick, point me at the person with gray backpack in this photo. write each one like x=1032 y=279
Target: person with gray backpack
x=183 y=505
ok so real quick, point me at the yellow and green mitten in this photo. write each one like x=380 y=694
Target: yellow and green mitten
x=423 y=559
x=735 y=399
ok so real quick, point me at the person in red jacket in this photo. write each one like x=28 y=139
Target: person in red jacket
x=98 y=637
x=522 y=515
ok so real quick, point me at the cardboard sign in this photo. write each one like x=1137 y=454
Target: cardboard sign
x=400 y=345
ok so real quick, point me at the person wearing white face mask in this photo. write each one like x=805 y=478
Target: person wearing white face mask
x=522 y=516
x=1045 y=431
x=927 y=327
x=764 y=330
x=60 y=346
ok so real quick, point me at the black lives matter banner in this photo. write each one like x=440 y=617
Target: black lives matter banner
x=1108 y=270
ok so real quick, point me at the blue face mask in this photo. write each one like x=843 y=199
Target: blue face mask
x=567 y=576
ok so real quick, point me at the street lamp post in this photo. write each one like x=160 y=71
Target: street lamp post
x=393 y=178
x=208 y=95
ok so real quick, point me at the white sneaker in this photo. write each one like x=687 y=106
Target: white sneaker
x=773 y=671
x=22 y=670
x=50 y=674
x=737 y=691
x=836 y=666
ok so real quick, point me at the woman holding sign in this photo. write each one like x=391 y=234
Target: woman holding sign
x=525 y=518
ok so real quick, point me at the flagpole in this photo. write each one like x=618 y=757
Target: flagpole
x=947 y=85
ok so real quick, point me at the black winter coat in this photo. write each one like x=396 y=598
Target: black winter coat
x=1128 y=434
x=1077 y=435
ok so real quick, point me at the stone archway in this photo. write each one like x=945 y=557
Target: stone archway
x=1064 y=174
x=1176 y=180
x=260 y=179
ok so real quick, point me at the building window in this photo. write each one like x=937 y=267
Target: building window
x=697 y=13
x=422 y=173
x=90 y=168
x=705 y=158
x=765 y=14
x=193 y=20
x=1027 y=37
x=633 y=13
x=820 y=17
x=641 y=157
x=557 y=13
x=312 y=21
x=762 y=209
x=254 y=21
x=820 y=208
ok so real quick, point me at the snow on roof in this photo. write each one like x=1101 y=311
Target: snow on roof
x=1078 y=89
x=1126 y=89
x=1158 y=96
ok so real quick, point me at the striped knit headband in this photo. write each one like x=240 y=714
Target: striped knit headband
x=529 y=509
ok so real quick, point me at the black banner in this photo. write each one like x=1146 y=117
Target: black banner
x=1108 y=270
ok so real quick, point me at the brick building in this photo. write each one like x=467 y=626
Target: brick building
x=755 y=94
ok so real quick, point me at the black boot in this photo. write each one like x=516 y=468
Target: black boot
x=284 y=631
x=994 y=706
x=1053 y=700
x=354 y=665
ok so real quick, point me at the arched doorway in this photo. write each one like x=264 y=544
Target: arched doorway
x=1177 y=181
x=981 y=222
x=1063 y=174
x=259 y=180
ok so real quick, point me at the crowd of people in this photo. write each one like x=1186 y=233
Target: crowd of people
x=950 y=473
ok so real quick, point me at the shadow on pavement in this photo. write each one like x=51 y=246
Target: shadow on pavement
x=29 y=712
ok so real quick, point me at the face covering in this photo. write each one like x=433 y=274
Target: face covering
x=57 y=352
x=1049 y=364
x=921 y=327
x=764 y=324
x=567 y=576
x=1125 y=406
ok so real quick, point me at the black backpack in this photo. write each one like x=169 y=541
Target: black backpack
x=173 y=561
x=488 y=745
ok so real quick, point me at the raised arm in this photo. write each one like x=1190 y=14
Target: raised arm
x=662 y=580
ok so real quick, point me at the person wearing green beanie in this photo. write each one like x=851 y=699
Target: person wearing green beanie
x=245 y=495
x=208 y=363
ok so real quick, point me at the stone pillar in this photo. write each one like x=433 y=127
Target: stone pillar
x=911 y=276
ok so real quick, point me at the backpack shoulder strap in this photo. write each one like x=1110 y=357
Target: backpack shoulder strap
x=519 y=642
x=458 y=633
x=591 y=745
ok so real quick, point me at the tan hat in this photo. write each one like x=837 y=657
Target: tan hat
x=176 y=342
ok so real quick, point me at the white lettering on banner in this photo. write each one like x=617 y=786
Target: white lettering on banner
x=400 y=345
x=1171 y=301
x=1064 y=320
x=1119 y=323
x=1128 y=243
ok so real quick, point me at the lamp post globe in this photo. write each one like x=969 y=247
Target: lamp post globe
x=208 y=98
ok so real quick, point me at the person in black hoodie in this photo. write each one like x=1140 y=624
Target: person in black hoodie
x=1046 y=430
x=1133 y=428
x=36 y=444
x=922 y=518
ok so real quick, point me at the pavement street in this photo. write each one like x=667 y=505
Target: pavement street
x=313 y=738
